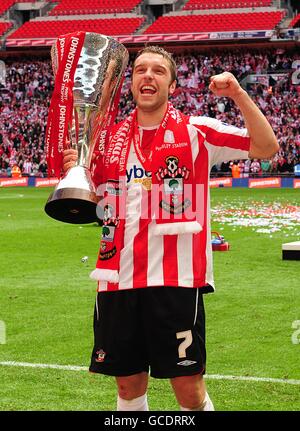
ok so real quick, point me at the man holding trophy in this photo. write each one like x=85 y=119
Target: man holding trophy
x=155 y=258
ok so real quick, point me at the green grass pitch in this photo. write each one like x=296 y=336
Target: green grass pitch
x=47 y=300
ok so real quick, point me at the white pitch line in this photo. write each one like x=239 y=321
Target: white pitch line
x=253 y=379
x=55 y=366
x=208 y=376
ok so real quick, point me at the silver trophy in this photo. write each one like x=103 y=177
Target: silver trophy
x=97 y=79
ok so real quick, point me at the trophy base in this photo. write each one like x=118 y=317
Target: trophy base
x=72 y=205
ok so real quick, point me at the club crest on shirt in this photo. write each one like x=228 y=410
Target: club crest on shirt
x=173 y=177
x=173 y=170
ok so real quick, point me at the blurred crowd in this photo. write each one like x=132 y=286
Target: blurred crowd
x=26 y=92
x=24 y=99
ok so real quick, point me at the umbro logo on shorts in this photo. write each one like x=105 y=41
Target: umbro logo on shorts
x=186 y=363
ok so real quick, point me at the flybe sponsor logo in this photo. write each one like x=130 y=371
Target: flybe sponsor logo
x=136 y=172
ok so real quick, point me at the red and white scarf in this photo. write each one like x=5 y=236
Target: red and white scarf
x=173 y=192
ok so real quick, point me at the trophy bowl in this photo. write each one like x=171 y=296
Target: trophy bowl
x=95 y=91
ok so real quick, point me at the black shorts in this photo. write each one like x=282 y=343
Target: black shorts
x=161 y=329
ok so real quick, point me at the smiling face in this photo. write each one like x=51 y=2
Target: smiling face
x=152 y=82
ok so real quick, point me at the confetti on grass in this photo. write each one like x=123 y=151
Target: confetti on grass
x=261 y=217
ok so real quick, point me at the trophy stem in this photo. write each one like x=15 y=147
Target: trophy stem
x=81 y=133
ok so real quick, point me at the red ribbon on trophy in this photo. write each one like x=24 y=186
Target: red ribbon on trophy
x=61 y=106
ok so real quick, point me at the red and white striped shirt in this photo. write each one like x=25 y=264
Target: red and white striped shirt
x=174 y=260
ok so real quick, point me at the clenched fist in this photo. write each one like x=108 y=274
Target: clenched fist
x=225 y=85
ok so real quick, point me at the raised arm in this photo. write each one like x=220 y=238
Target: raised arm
x=263 y=142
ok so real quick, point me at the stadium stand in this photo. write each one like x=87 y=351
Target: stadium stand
x=216 y=22
x=5 y=5
x=24 y=101
x=54 y=28
x=26 y=95
x=82 y=7
x=295 y=22
x=4 y=27
x=217 y=4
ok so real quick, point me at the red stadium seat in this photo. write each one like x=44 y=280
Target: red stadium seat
x=215 y=4
x=216 y=22
x=49 y=29
x=71 y=7
x=5 y=5
x=4 y=27
x=295 y=21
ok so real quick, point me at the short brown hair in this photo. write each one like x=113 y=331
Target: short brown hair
x=155 y=49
